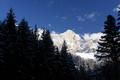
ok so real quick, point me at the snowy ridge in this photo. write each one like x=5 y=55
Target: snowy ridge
x=84 y=46
x=86 y=55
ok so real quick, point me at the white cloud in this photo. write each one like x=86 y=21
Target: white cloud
x=49 y=25
x=116 y=9
x=51 y=3
x=90 y=16
x=79 y=18
x=56 y=16
x=63 y=17
x=93 y=36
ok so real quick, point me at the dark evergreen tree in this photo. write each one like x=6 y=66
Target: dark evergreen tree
x=27 y=48
x=9 y=30
x=107 y=51
x=47 y=42
x=68 y=69
x=24 y=57
x=47 y=54
x=117 y=65
x=22 y=38
x=84 y=73
x=37 y=57
x=2 y=51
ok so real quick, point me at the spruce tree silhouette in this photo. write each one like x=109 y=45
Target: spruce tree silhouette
x=26 y=48
x=107 y=51
x=117 y=64
x=9 y=30
x=47 y=54
x=83 y=74
x=2 y=51
x=69 y=71
x=36 y=57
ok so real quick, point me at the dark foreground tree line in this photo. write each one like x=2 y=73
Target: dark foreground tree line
x=25 y=57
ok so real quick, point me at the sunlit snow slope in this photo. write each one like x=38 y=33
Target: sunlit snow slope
x=84 y=46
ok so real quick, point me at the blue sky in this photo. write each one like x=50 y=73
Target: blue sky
x=82 y=16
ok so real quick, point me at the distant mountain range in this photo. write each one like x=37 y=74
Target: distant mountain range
x=81 y=47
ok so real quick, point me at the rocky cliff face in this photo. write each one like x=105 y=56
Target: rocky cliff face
x=72 y=39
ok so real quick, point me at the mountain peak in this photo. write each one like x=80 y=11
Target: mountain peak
x=69 y=31
x=85 y=44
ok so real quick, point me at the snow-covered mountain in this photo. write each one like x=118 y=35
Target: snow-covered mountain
x=81 y=47
x=84 y=46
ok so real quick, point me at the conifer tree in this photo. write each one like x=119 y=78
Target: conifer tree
x=36 y=57
x=69 y=71
x=47 y=42
x=26 y=49
x=24 y=57
x=117 y=65
x=2 y=51
x=83 y=73
x=107 y=51
x=9 y=30
x=47 y=52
